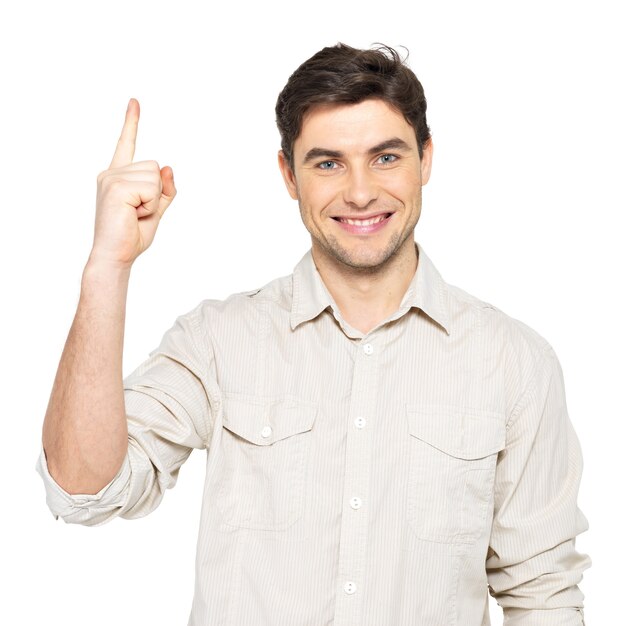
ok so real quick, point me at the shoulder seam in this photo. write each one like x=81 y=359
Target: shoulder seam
x=532 y=383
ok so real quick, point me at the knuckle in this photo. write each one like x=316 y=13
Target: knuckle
x=115 y=183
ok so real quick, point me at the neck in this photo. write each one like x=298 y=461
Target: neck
x=366 y=296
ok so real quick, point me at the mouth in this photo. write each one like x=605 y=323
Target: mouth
x=363 y=226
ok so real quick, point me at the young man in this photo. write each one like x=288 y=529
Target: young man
x=383 y=448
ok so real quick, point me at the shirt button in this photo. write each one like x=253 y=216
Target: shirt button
x=359 y=422
x=356 y=503
x=349 y=587
x=266 y=432
x=368 y=348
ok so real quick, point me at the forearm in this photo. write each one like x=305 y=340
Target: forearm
x=85 y=434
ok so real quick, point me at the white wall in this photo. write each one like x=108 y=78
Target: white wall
x=525 y=209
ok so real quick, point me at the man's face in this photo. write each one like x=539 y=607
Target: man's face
x=358 y=180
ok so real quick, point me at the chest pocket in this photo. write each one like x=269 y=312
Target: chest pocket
x=452 y=460
x=265 y=450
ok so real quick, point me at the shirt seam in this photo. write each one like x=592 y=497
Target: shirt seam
x=531 y=385
x=204 y=331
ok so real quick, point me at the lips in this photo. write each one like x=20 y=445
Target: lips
x=363 y=225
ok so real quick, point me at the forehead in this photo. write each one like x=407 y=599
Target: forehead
x=352 y=127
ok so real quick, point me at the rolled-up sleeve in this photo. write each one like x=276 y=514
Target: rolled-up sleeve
x=170 y=400
x=532 y=564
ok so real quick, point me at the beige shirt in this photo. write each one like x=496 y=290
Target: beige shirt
x=392 y=478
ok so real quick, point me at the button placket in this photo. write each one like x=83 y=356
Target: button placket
x=353 y=539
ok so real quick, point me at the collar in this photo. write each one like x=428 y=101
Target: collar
x=427 y=292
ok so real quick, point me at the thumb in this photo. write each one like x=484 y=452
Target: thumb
x=168 y=188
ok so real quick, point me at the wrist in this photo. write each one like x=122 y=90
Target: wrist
x=98 y=269
x=101 y=261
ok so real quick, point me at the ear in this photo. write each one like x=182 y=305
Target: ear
x=288 y=175
x=426 y=161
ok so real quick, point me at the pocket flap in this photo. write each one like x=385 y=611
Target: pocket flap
x=264 y=421
x=460 y=432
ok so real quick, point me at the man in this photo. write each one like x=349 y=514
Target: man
x=383 y=448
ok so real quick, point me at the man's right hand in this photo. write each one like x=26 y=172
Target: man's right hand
x=131 y=200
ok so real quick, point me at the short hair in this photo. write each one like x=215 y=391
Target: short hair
x=341 y=74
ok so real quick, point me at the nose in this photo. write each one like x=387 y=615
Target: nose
x=360 y=188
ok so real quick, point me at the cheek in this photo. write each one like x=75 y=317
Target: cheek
x=317 y=194
x=407 y=188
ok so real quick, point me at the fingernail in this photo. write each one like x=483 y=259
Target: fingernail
x=128 y=107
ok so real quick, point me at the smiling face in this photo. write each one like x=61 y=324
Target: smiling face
x=358 y=177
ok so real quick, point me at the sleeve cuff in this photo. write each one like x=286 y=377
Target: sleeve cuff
x=87 y=509
x=544 y=617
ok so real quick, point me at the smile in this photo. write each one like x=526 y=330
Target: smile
x=362 y=226
x=368 y=222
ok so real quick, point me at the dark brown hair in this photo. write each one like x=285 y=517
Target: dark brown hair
x=343 y=75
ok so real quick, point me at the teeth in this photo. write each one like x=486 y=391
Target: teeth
x=373 y=220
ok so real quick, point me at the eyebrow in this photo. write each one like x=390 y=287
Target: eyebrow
x=395 y=143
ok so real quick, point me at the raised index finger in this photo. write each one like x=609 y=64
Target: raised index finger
x=125 y=150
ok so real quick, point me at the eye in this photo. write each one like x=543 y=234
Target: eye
x=326 y=165
x=386 y=159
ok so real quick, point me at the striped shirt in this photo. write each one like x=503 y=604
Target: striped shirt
x=390 y=478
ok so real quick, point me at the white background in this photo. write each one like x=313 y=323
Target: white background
x=525 y=209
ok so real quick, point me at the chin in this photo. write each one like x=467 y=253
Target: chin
x=364 y=259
